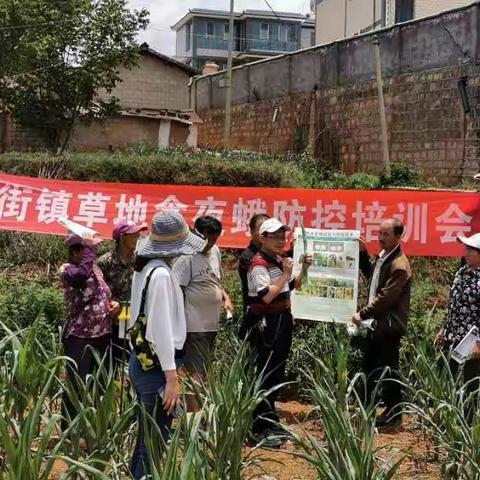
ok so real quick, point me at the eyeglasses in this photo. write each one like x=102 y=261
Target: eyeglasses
x=276 y=237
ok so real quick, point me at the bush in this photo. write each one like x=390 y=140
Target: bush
x=204 y=167
x=23 y=301
x=174 y=166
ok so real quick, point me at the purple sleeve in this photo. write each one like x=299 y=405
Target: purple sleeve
x=77 y=275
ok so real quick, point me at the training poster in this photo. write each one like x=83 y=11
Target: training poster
x=330 y=292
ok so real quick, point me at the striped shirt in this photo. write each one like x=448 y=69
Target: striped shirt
x=263 y=272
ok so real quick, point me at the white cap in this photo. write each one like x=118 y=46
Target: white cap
x=272 y=225
x=473 y=241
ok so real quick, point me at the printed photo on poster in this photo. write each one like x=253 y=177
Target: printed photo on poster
x=330 y=292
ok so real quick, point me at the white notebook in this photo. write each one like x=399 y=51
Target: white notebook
x=464 y=350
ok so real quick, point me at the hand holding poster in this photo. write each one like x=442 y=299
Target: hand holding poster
x=330 y=295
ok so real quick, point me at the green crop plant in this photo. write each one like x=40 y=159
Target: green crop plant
x=229 y=397
x=448 y=411
x=347 y=451
x=98 y=425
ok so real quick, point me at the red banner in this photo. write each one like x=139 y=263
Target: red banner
x=432 y=219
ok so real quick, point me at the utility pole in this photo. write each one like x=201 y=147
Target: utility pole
x=345 y=22
x=374 y=14
x=228 y=85
x=381 y=102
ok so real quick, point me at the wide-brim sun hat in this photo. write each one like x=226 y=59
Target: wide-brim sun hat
x=473 y=241
x=170 y=237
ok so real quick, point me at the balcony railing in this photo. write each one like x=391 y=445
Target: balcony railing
x=270 y=45
x=249 y=45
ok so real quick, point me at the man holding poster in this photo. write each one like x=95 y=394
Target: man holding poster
x=269 y=322
x=389 y=306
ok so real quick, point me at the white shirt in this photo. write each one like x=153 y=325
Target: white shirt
x=382 y=257
x=166 y=326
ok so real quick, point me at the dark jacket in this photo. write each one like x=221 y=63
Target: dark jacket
x=391 y=305
x=243 y=266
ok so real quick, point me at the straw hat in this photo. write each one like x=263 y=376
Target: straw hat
x=170 y=237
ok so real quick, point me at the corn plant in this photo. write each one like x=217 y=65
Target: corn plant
x=184 y=457
x=347 y=450
x=229 y=398
x=24 y=369
x=24 y=448
x=448 y=412
x=106 y=435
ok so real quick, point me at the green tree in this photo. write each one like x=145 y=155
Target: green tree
x=60 y=60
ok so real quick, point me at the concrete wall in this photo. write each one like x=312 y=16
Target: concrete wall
x=181 y=50
x=438 y=42
x=422 y=63
x=154 y=84
x=330 y=18
x=306 y=40
x=118 y=132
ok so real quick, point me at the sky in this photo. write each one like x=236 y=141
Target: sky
x=165 y=13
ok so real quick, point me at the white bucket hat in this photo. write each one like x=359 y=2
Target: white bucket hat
x=473 y=241
x=170 y=237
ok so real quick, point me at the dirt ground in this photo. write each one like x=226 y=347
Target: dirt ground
x=407 y=443
x=282 y=465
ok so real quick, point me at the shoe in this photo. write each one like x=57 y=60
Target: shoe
x=389 y=420
x=280 y=431
x=265 y=439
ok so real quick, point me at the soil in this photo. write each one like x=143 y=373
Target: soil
x=282 y=464
x=408 y=443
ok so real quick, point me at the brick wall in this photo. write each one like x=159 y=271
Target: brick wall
x=426 y=124
x=153 y=84
x=422 y=63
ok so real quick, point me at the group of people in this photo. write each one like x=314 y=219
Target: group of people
x=172 y=276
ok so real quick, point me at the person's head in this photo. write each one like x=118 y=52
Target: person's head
x=75 y=247
x=472 y=250
x=169 y=237
x=390 y=234
x=126 y=235
x=210 y=228
x=255 y=224
x=274 y=236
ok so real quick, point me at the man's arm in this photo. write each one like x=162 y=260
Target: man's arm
x=387 y=296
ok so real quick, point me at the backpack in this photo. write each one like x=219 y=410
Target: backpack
x=144 y=350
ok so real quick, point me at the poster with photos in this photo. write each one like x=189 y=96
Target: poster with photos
x=330 y=292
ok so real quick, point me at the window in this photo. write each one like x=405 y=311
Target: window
x=404 y=11
x=291 y=33
x=188 y=37
x=312 y=39
x=226 y=31
x=210 y=29
x=265 y=31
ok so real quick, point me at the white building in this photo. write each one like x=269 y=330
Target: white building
x=337 y=19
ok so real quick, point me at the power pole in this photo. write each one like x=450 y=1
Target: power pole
x=381 y=102
x=345 y=23
x=228 y=86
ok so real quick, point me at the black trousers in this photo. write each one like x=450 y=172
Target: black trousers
x=382 y=350
x=271 y=342
x=120 y=348
x=80 y=350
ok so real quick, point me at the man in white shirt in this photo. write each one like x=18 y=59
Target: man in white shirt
x=201 y=277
